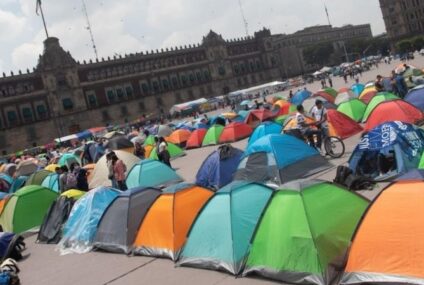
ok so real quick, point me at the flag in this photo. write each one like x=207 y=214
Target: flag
x=38 y=6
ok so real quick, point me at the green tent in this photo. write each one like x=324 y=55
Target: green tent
x=150 y=140
x=421 y=165
x=281 y=119
x=37 y=177
x=376 y=100
x=213 y=134
x=305 y=232
x=174 y=151
x=353 y=108
x=26 y=208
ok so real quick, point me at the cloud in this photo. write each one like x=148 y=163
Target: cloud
x=139 y=25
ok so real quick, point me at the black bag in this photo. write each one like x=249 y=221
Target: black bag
x=355 y=182
x=341 y=175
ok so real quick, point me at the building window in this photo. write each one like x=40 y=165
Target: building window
x=199 y=77
x=221 y=70
x=92 y=100
x=206 y=75
x=236 y=69
x=120 y=93
x=12 y=118
x=145 y=88
x=110 y=95
x=184 y=80
x=67 y=104
x=156 y=87
x=165 y=84
x=27 y=114
x=174 y=82
x=129 y=91
x=41 y=111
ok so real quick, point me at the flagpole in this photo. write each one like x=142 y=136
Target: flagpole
x=42 y=16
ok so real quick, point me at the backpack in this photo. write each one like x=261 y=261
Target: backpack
x=71 y=181
x=11 y=246
x=357 y=182
x=341 y=175
x=9 y=272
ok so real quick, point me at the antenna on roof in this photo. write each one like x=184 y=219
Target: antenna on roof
x=246 y=25
x=326 y=12
x=84 y=8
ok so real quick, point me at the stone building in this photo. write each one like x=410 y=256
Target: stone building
x=61 y=96
x=403 y=18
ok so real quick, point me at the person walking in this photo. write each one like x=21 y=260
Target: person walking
x=330 y=82
x=63 y=177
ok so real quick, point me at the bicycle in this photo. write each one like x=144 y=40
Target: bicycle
x=333 y=146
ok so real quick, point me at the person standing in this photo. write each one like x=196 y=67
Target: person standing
x=319 y=112
x=401 y=86
x=165 y=156
x=119 y=171
x=111 y=173
x=63 y=177
x=330 y=82
x=139 y=150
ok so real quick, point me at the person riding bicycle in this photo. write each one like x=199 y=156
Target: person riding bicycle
x=319 y=113
x=305 y=129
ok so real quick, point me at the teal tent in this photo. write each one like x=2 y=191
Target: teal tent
x=219 y=238
x=151 y=173
x=69 y=158
x=51 y=182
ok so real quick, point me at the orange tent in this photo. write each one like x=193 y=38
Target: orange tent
x=179 y=137
x=255 y=117
x=388 y=246
x=164 y=229
x=148 y=150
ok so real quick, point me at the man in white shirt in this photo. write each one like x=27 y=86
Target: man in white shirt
x=319 y=113
x=305 y=129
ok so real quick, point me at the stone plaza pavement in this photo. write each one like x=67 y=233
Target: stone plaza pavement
x=44 y=265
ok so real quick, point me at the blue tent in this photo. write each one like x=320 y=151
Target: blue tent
x=243 y=113
x=357 y=89
x=219 y=237
x=52 y=182
x=277 y=159
x=219 y=167
x=300 y=96
x=81 y=227
x=151 y=173
x=389 y=150
x=416 y=97
x=18 y=183
x=266 y=128
x=412 y=175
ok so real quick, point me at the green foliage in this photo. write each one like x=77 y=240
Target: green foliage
x=404 y=45
x=318 y=54
x=418 y=42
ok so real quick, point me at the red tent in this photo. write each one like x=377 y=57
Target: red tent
x=234 y=132
x=395 y=110
x=255 y=117
x=196 y=138
x=341 y=126
x=325 y=95
x=284 y=108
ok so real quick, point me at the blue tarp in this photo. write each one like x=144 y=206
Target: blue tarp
x=266 y=128
x=404 y=142
x=216 y=172
x=416 y=97
x=300 y=96
x=84 y=135
x=81 y=227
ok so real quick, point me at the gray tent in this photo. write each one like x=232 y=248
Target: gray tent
x=120 y=222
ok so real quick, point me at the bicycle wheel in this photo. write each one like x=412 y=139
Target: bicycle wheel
x=334 y=147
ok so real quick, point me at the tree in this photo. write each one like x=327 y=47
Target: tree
x=404 y=46
x=418 y=42
x=318 y=54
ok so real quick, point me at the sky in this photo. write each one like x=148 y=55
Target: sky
x=129 y=26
